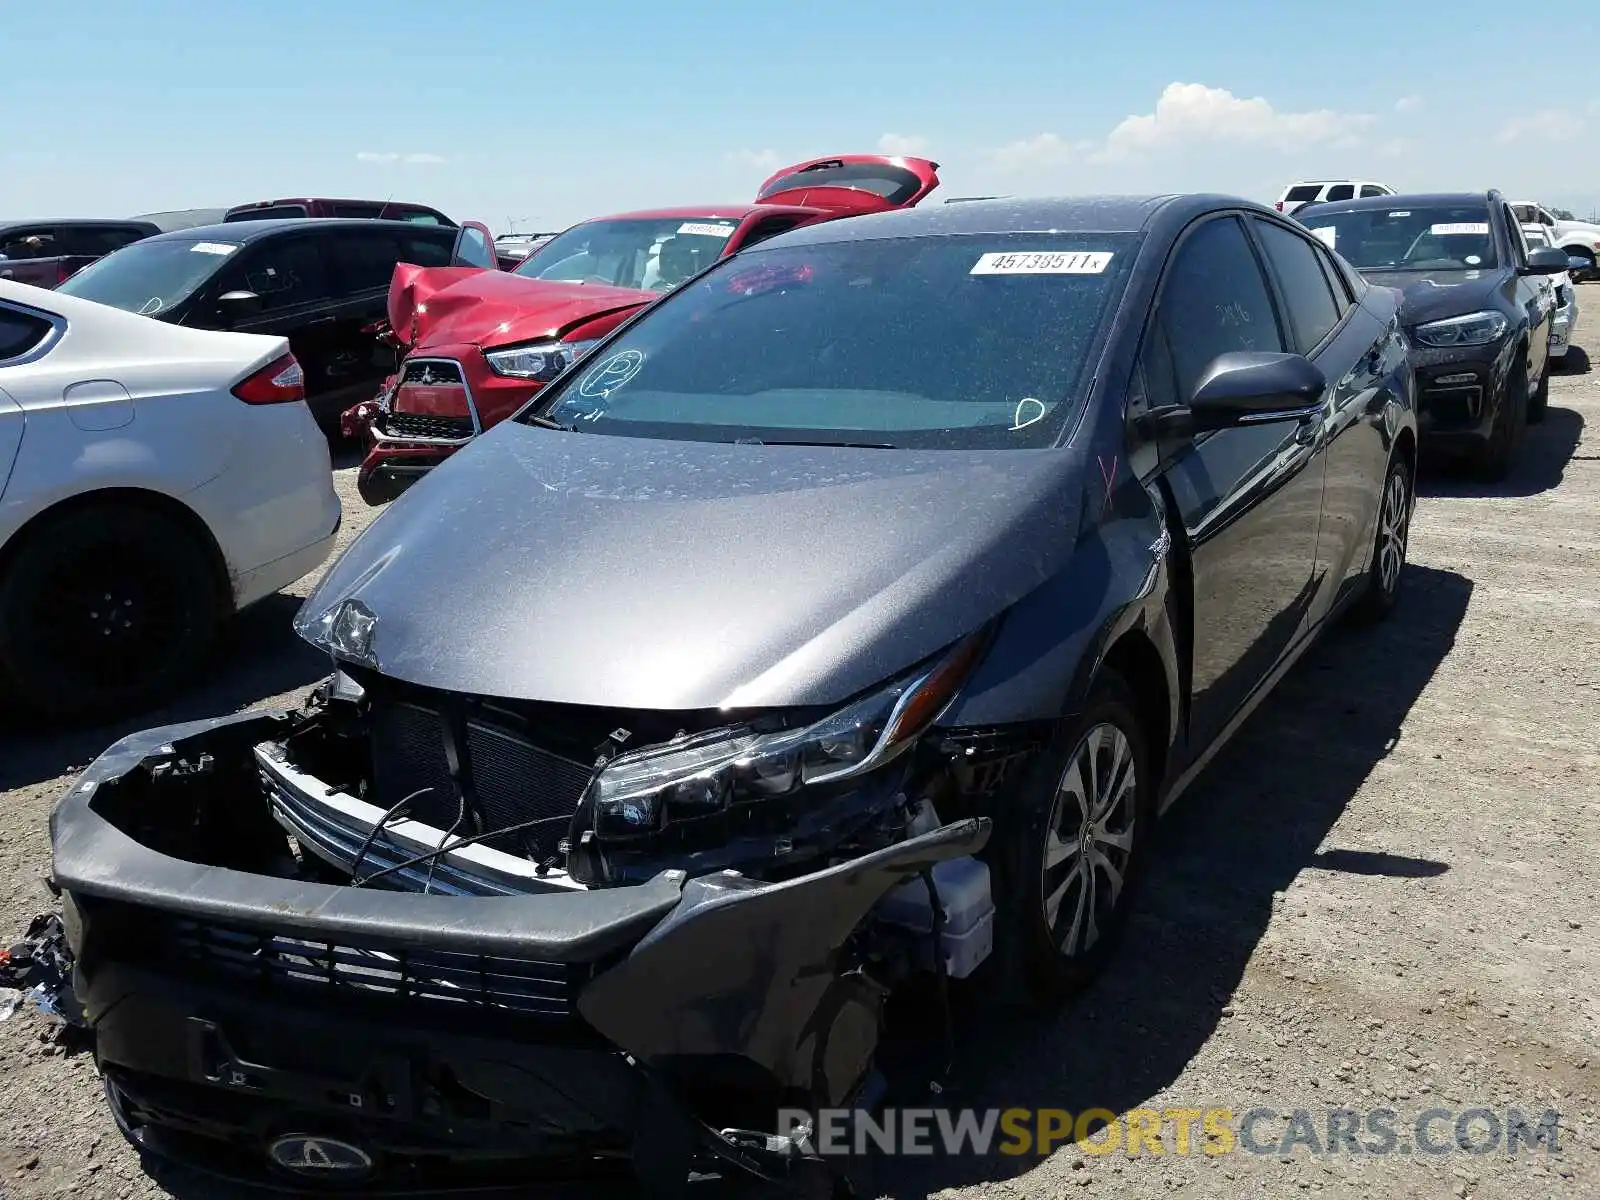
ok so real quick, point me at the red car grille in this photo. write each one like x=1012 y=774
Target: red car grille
x=432 y=387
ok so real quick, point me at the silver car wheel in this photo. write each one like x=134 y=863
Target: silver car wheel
x=1394 y=526
x=1089 y=838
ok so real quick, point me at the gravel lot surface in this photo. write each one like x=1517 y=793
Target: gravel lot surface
x=1384 y=894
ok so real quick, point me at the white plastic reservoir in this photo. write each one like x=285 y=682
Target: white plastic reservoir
x=963 y=888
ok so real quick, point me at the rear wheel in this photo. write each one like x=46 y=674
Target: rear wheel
x=1073 y=844
x=103 y=610
x=1588 y=271
x=1499 y=452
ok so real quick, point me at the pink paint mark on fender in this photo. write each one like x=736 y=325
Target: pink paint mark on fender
x=1109 y=475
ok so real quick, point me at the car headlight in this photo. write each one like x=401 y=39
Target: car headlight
x=1474 y=329
x=538 y=361
x=637 y=793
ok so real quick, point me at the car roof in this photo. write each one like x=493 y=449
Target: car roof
x=1067 y=214
x=1404 y=198
x=725 y=212
x=250 y=231
x=83 y=222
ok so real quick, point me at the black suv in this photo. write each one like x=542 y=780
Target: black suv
x=45 y=253
x=323 y=284
x=1478 y=323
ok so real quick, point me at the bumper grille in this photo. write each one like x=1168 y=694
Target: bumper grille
x=514 y=780
x=424 y=425
x=433 y=372
x=277 y=961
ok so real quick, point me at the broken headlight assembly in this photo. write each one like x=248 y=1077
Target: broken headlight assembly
x=636 y=794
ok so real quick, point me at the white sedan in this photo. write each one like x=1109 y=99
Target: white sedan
x=153 y=480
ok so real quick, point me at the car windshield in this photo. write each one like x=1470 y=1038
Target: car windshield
x=655 y=254
x=151 y=276
x=1408 y=237
x=957 y=342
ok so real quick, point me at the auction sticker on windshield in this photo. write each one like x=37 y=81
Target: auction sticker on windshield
x=212 y=248
x=1478 y=227
x=1328 y=235
x=707 y=230
x=1043 y=262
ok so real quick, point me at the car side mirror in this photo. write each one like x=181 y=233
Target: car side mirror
x=234 y=307
x=1242 y=388
x=1546 y=260
x=1254 y=388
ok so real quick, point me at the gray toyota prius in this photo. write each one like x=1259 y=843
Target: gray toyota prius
x=849 y=615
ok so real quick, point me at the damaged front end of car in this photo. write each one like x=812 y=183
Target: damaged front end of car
x=411 y=940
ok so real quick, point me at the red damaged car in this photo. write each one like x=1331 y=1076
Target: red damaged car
x=479 y=344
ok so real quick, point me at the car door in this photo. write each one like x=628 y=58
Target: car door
x=1535 y=295
x=1250 y=498
x=851 y=184
x=22 y=333
x=474 y=247
x=1358 y=354
x=290 y=274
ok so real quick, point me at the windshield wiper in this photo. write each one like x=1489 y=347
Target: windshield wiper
x=544 y=422
x=802 y=442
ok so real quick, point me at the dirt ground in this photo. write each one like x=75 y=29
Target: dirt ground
x=1384 y=894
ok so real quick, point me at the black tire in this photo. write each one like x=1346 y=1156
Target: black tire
x=104 y=611
x=1499 y=452
x=1389 y=542
x=1539 y=402
x=1042 y=972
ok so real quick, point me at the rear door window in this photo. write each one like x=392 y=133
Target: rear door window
x=426 y=249
x=363 y=211
x=1306 y=191
x=1313 y=311
x=286 y=272
x=362 y=259
x=1341 y=191
x=20 y=332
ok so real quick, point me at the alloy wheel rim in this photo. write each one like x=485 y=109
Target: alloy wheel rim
x=1089 y=839
x=1392 y=533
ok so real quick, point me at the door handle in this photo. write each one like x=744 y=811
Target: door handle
x=328 y=320
x=1309 y=432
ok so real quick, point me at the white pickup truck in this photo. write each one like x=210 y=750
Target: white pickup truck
x=1580 y=239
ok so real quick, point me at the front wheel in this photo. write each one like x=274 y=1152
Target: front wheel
x=1499 y=451
x=1073 y=844
x=1539 y=403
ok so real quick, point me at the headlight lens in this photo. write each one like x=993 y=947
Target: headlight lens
x=538 y=361
x=697 y=776
x=1474 y=329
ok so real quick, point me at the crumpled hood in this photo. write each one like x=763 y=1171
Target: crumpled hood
x=1434 y=295
x=633 y=573
x=433 y=306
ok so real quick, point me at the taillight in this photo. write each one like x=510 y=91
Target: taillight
x=1280 y=205
x=64 y=272
x=281 y=381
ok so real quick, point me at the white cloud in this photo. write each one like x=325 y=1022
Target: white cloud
x=390 y=156
x=1190 y=113
x=1547 y=125
x=1041 y=150
x=902 y=143
x=1408 y=104
x=1397 y=147
x=761 y=160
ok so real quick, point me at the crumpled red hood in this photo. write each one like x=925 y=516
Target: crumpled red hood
x=455 y=305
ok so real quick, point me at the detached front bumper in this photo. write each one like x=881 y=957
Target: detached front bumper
x=391 y=467
x=444 y=1041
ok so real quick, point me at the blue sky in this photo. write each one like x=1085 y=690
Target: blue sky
x=546 y=113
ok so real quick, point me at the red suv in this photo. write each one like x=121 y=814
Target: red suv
x=479 y=344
